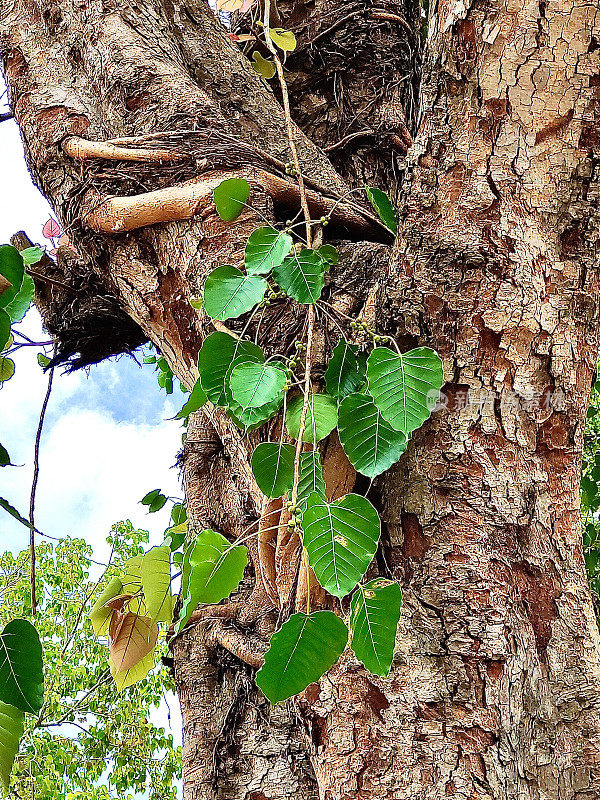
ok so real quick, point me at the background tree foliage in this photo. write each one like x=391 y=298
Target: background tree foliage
x=88 y=742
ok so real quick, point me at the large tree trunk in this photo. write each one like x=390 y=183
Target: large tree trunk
x=495 y=686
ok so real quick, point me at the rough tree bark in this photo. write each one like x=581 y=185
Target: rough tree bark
x=495 y=687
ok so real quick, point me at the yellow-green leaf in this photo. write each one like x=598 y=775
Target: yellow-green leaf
x=285 y=40
x=265 y=68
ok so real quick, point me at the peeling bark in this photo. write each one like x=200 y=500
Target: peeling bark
x=496 y=679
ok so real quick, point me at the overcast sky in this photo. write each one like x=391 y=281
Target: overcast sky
x=106 y=440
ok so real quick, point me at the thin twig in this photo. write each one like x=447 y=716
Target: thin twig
x=36 y=472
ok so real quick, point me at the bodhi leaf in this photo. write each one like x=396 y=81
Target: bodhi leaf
x=405 y=387
x=12 y=725
x=195 y=401
x=7 y=369
x=217 y=354
x=231 y=196
x=343 y=374
x=329 y=253
x=155 y=574
x=273 y=468
x=212 y=569
x=100 y=615
x=374 y=615
x=285 y=40
x=265 y=68
x=14 y=513
x=266 y=248
x=31 y=255
x=254 y=385
x=247 y=417
x=133 y=675
x=147 y=499
x=175 y=536
x=4 y=457
x=384 y=208
x=134 y=638
x=302 y=275
x=21 y=666
x=340 y=539
x=228 y=293
x=370 y=443
x=301 y=651
x=321 y=417
x=11 y=268
x=310 y=477
x=19 y=306
x=5 y=323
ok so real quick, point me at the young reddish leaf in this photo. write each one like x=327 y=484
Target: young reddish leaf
x=135 y=638
x=51 y=229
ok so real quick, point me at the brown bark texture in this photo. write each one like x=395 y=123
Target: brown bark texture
x=494 y=692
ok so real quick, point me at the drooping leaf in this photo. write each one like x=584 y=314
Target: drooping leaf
x=158 y=503
x=374 y=615
x=266 y=248
x=12 y=725
x=148 y=498
x=405 y=387
x=302 y=275
x=7 y=369
x=135 y=637
x=343 y=376
x=31 y=255
x=285 y=40
x=301 y=651
x=19 y=306
x=310 y=475
x=254 y=385
x=228 y=293
x=4 y=457
x=384 y=208
x=369 y=441
x=217 y=354
x=5 y=323
x=321 y=417
x=195 y=401
x=133 y=675
x=100 y=614
x=273 y=468
x=11 y=268
x=14 y=513
x=179 y=514
x=155 y=574
x=212 y=569
x=341 y=540
x=231 y=196
x=21 y=666
x=175 y=536
x=265 y=68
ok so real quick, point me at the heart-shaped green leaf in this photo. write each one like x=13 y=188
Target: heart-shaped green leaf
x=254 y=385
x=231 y=196
x=321 y=417
x=155 y=573
x=31 y=255
x=228 y=293
x=194 y=402
x=7 y=369
x=273 y=468
x=266 y=248
x=11 y=268
x=212 y=569
x=384 y=208
x=246 y=417
x=12 y=725
x=19 y=306
x=370 y=443
x=217 y=354
x=301 y=651
x=285 y=40
x=344 y=373
x=265 y=68
x=310 y=477
x=374 y=615
x=405 y=387
x=302 y=275
x=21 y=666
x=341 y=540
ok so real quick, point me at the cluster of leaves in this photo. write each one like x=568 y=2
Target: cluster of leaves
x=84 y=742
x=376 y=401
